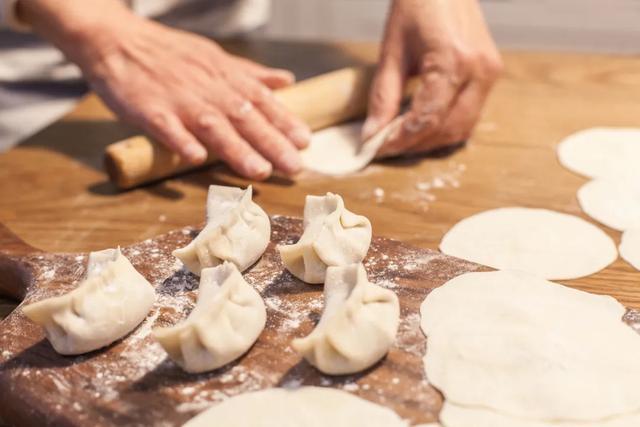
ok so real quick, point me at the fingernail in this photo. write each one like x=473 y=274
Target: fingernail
x=288 y=76
x=301 y=136
x=195 y=153
x=369 y=128
x=291 y=163
x=258 y=167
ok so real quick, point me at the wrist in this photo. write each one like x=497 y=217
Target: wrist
x=83 y=30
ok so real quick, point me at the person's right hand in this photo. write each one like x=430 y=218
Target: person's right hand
x=188 y=93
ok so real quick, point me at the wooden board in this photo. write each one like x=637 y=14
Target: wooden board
x=133 y=383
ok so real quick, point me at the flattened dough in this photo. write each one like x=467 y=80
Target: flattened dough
x=602 y=152
x=303 y=407
x=338 y=150
x=524 y=347
x=460 y=416
x=612 y=202
x=548 y=244
x=630 y=248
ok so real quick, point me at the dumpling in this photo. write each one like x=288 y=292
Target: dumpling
x=228 y=318
x=237 y=230
x=109 y=303
x=333 y=236
x=358 y=324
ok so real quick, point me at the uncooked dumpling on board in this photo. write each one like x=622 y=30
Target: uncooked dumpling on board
x=333 y=236
x=358 y=324
x=228 y=318
x=237 y=231
x=109 y=303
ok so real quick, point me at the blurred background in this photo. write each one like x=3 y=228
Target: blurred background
x=566 y=25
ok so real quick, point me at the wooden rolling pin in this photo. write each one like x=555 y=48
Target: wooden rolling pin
x=320 y=101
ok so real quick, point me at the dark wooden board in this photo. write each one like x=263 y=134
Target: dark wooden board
x=133 y=383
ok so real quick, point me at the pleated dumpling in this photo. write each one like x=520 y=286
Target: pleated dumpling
x=228 y=318
x=333 y=236
x=109 y=303
x=358 y=324
x=237 y=231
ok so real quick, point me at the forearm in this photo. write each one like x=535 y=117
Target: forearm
x=82 y=30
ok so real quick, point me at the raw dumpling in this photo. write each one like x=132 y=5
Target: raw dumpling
x=333 y=236
x=228 y=318
x=237 y=230
x=109 y=303
x=358 y=324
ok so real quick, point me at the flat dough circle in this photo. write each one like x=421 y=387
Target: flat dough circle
x=602 y=152
x=548 y=244
x=612 y=202
x=630 y=248
x=461 y=416
x=338 y=150
x=521 y=346
x=303 y=407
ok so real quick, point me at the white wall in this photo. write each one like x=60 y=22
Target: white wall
x=580 y=25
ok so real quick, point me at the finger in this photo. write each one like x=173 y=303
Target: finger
x=429 y=106
x=215 y=131
x=282 y=119
x=167 y=128
x=273 y=78
x=460 y=120
x=385 y=95
x=257 y=131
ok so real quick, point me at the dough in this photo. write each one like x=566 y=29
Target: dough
x=358 y=324
x=109 y=303
x=460 y=416
x=338 y=150
x=630 y=248
x=333 y=236
x=303 y=407
x=602 y=152
x=237 y=230
x=549 y=244
x=228 y=318
x=613 y=202
x=524 y=347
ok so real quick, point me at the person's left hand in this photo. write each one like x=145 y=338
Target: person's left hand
x=447 y=44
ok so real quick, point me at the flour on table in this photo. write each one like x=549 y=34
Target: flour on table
x=630 y=248
x=614 y=202
x=602 y=152
x=308 y=406
x=339 y=150
x=548 y=244
x=523 y=348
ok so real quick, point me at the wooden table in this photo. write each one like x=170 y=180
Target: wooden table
x=55 y=195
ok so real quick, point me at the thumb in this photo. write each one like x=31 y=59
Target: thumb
x=385 y=95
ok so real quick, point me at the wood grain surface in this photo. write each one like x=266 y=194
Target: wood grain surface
x=55 y=195
x=133 y=383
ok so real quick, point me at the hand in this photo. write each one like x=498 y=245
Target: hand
x=447 y=44
x=186 y=91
